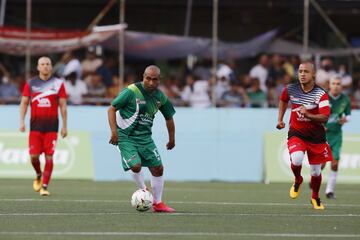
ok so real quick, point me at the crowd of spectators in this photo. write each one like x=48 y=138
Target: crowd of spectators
x=94 y=80
x=260 y=87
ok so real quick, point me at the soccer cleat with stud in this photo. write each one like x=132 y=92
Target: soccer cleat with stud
x=330 y=195
x=317 y=204
x=295 y=189
x=162 y=207
x=37 y=184
x=44 y=192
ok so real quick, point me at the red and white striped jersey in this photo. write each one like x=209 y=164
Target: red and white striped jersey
x=316 y=102
x=44 y=96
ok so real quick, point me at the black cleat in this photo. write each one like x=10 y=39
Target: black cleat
x=330 y=195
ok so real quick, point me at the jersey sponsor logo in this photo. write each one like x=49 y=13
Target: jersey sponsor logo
x=145 y=119
x=301 y=117
x=44 y=102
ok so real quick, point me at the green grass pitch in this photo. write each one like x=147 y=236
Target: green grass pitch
x=205 y=210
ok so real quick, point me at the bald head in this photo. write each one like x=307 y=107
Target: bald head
x=151 y=78
x=152 y=70
x=44 y=67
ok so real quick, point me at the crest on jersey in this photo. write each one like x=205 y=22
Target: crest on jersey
x=44 y=102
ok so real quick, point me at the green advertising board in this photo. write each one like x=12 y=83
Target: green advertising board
x=72 y=158
x=277 y=160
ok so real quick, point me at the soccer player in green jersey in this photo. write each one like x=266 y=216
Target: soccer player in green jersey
x=339 y=115
x=131 y=117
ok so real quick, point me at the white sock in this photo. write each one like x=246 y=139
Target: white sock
x=157 y=185
x=139 y=179
x=331 y=182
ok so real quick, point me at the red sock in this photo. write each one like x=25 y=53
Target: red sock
x=36 y=165
x=315 y=186
x=297 y=173
x=47 y=172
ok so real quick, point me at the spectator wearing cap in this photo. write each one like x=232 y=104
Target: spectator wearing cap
x=222 y=80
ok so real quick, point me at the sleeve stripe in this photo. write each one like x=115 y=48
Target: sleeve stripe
x=324 y=103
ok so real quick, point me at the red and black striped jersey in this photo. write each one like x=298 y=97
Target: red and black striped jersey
x=44 y=97
x=316 y=102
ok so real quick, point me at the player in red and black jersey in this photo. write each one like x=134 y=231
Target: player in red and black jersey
x=310 y=110
x=46 y=94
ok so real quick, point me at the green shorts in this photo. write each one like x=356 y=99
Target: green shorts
x=133 y=153
x=335 y=142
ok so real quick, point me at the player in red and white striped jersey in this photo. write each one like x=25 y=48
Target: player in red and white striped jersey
x=46 y=94
x=310 y=110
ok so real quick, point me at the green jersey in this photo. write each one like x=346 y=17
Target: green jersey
x=340 y=106
x=136 y=109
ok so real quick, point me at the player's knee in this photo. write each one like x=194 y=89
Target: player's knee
x=136 y=168
x=334 y=166
x=297 y=158
x=315 y=170
x=34 y=158
x=157 y=171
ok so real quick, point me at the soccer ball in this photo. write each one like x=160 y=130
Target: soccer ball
x=142 y=200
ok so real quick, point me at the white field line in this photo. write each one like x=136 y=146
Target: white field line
x=211 y=190
x=182 y=214
x=174 y=202
x=189 y=234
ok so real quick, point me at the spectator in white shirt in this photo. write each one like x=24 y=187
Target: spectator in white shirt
x=325 y=73
x=260 y=71
x=223 y=80
x=346 y=79
x=72 y=65
x=75 y=89
x=196 y=92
